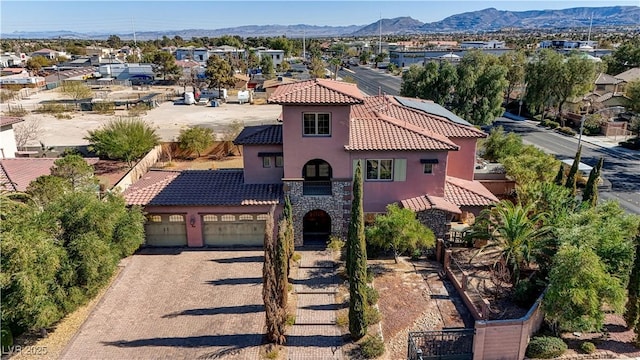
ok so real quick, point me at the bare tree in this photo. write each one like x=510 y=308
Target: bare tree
x=230 y=132
x=26 y=132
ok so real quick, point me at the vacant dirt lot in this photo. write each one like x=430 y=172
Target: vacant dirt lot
x=168 y=118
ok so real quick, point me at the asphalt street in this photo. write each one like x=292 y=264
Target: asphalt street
x=373 y=81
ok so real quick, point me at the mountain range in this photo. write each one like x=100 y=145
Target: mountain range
x=470 y=22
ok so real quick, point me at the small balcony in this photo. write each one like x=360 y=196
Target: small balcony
x=313 y=188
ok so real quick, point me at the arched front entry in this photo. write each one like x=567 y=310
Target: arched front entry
x=316 y=227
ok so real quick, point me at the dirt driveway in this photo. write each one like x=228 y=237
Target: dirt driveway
x=177 y=304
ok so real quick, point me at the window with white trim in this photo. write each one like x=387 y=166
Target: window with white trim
x=154 y=218
x=379 y=169
x=176 y=218
x=210 y=218
x=279 y=161
x=245 y=217
x=427 y=168
x=228 y=218
x=316 y=124
x=266 y=162
x=263 y=217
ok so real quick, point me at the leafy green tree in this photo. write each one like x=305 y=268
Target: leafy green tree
x=275 y=314
x=625 y=57
x=632 y=90
x=281 y=43
x=252 y=60
x=632 y=308
x=266 y=64
x=515 y=62
x=123 y=139
x=37 y=62
x=165 y=64
x=196 y=139
x=114 y=41
x=218 y=73
x=540 y=74
x=531 y=164
x=411 y=81
x=578 y=288
x=575 y=78
x=573 y=172
x=48 y=188
x=500 y=145
x=514 y=230
x=75 y=169
x=590 y=194
x=364 y=57
x=357 y=261
x=400 y=231
x=606 y=229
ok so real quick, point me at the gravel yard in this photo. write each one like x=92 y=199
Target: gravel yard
x=167 y=118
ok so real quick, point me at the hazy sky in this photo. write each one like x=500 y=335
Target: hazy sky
x=124 y=16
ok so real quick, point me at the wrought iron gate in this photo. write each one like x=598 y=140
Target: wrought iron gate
x=446 y=344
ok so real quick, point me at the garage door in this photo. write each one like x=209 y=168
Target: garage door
x=166 y=230
x=233 y=229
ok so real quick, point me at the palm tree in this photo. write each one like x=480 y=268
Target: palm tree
x=335 y=65
x=513 y=229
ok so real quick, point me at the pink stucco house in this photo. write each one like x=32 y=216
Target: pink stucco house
x=413 y=152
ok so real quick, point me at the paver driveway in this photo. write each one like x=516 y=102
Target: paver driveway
x=176 y=304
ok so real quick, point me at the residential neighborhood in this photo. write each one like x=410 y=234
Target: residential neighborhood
x=382 y=192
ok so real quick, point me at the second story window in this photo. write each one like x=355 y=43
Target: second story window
x=380 y=169
x=316 y=124
x=266 y=162
x=279 y=161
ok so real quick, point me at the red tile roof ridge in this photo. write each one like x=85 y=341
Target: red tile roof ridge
x=286 y=93
x=417 y=129
x=473 y=186
x=345 y=88
x=10 y=120
x=428 y=202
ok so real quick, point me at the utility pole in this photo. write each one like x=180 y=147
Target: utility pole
x=380 y=40
x=304 y=46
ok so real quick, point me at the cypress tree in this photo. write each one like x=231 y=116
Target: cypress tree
x=275 y=315
x=287 y=214
x=590 y=194
x=632 y=310
x=571 y=177
x=357 y=261
x=560 y=175
x=280 y=265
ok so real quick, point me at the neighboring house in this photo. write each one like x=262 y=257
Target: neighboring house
x=628 y=76
x=190 y=67
x=606 y=84
x=22 y=80
x=49 y=54
x=413 y=152
x=269 y=86
x=226 y=51
x=130 y=71
x=16 y=174
x=8 y=146
x=200 y=55
x=277 y=56
x=13 y=71
x=241 y=81
x=98 y=51
x=11 y=59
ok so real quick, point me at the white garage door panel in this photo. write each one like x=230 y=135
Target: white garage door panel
x=233 y=231
x=165 y=230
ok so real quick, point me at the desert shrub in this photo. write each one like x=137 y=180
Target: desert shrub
x=372 y=316
x=371 y=294
x=296 y=257
x=633 y=144
x=588 y=347
x=566 y=130
x=16 y=111
x=53 y=108
x=139 y=109
x=272 y=354
x=104 y=107
x=62 y=116
x=335 y=243
x=7 y=95
x=416 y=254
x=549 y=123
x=545 y=347
x=372 y=347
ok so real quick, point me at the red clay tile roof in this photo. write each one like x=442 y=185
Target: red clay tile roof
x=150 y=185
x=201 y=188
x=387 y=133
x=9 y=120
x=437 y=124
x=317 y=92
x=428 y=202
x=260 y=135
x=467 y=193
x=22 y=171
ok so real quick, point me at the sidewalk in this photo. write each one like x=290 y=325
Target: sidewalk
x=315 y=334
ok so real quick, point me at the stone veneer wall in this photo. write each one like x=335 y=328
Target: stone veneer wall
x=436 y=220
x=337 y=205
